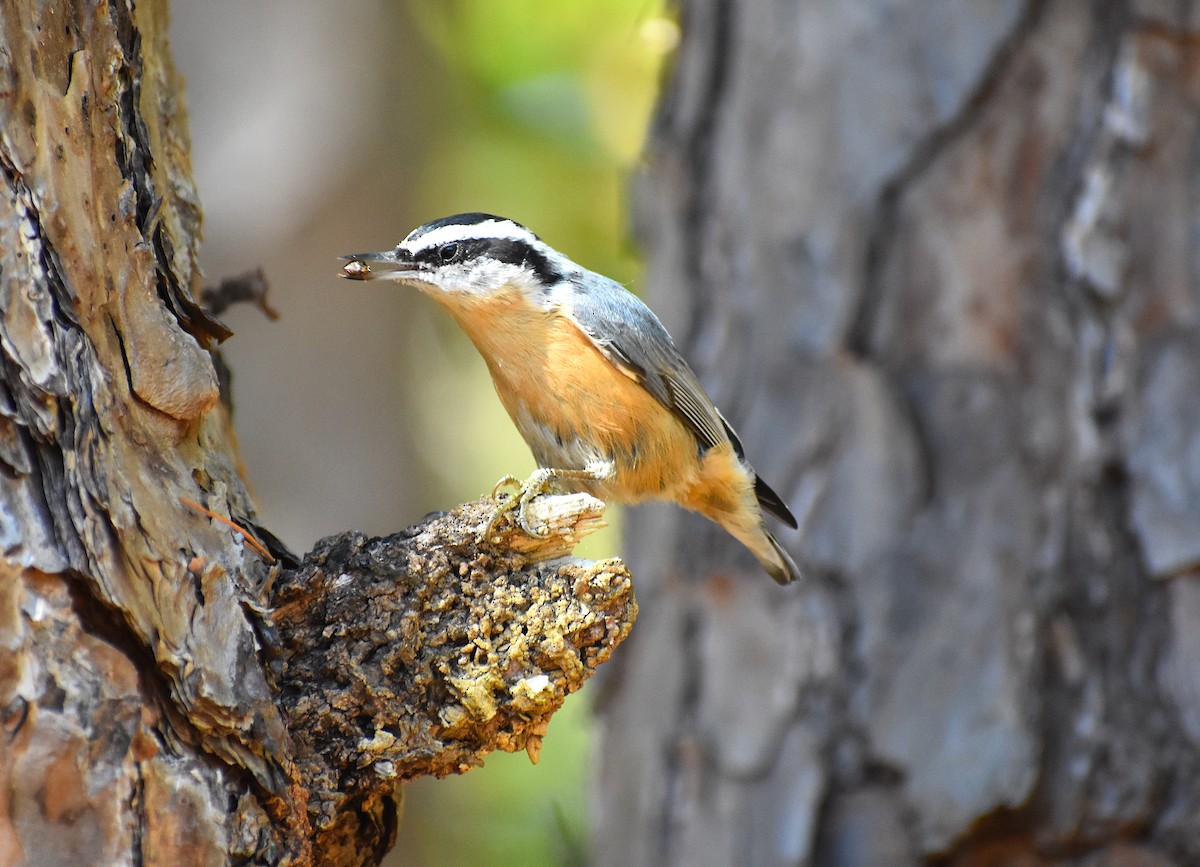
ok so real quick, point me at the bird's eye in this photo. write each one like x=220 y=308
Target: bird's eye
x=447 y=252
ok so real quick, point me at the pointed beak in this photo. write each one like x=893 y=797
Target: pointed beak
x=375 y=266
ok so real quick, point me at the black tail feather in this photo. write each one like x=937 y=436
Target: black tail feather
x=773 y=504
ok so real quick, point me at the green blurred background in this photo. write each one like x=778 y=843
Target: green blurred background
x=321 y=129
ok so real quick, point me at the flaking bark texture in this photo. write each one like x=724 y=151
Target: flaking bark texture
x=419 y=653
x=938 y=264
x=139 y=723
x=132 y=714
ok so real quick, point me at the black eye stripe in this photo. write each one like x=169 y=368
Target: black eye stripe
x=509 y=250
x=441 y=254
x=521 y=253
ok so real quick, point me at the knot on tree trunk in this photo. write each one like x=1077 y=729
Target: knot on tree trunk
x=421 y=652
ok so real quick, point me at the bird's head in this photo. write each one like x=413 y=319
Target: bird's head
x=467 y=255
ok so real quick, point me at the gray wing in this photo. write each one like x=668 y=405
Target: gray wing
x=632 y=338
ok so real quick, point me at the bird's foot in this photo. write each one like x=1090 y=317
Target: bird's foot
x=507 y=481
x=527 y=491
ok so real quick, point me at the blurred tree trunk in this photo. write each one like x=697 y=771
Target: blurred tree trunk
x=170 y=693
x=938 y=262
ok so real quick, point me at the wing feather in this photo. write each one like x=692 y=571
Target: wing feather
x=629 y=335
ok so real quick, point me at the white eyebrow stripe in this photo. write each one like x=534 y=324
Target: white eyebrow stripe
x=504 y=230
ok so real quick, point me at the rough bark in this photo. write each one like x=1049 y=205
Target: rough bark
x=937 y=262
x=420 y=653
x=155 y=707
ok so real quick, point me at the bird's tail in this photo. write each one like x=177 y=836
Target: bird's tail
x=778 y=563
x=729 y=493
x=767 y=550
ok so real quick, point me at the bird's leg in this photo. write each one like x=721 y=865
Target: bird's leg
x=536 y=485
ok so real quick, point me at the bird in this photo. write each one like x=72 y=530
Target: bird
x=588 y=374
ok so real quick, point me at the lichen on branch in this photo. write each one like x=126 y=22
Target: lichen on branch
x=419 y=653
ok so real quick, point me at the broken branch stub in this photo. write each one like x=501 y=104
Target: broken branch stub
x=419 y=653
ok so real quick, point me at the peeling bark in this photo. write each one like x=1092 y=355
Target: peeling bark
x=155 y=704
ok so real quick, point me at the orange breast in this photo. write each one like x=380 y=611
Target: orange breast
x=568 y=399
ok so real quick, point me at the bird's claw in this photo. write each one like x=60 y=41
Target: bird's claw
x=527 y=492
x=507 y=481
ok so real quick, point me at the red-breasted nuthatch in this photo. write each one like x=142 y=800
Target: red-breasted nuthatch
x=589 y=375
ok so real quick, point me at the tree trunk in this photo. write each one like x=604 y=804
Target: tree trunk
x=172 y=691
x=938 y=263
